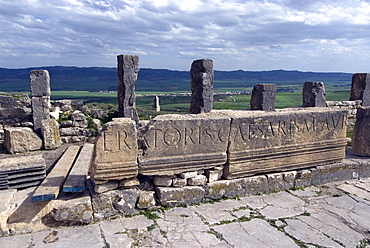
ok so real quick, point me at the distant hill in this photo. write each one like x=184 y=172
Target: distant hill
x=101 y=79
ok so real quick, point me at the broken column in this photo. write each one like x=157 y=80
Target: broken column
x=313 y=94
x=202 y=76
x=359 y=91
x=40 y=93
x=127 y=69
x=156 y=107
x=263 y=97
x=361 y=132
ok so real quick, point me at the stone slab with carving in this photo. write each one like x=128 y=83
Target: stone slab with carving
x=115 y=155
x=171 y=144
x=284 y=140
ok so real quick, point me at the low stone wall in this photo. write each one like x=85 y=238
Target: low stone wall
x=117 y=200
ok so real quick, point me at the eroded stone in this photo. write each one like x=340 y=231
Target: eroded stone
x=284 y=140
x=173 y=197
x=21 y=139
x=115 y=156
x=172 y=144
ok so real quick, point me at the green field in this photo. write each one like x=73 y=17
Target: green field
x=180 y=104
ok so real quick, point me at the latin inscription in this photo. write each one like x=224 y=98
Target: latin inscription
x=116 y=141
x=173 y=137
x=267 y=129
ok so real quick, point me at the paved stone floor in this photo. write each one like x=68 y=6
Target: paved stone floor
x=332 y=215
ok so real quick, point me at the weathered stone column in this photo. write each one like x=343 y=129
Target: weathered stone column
x=127 y=69
x=40 y=93
x=202 y=75
x=156 y=107
x=263 y=97
x=313 y=94
x=361 y=132
x=360 y=88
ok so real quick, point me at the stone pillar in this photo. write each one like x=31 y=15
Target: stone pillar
x=156 y=107
x=313 y=94
x=263 y=97
x=361 y=132
x=359 y=91
x=202 y=75
x=40 y=93
x=127 y=69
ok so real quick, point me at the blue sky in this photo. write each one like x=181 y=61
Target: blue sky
x=306 y=35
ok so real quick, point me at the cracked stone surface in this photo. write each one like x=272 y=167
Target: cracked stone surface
x=331 y=215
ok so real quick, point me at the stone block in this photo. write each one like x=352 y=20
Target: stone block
x=21 y=139
x=226 y=188
x=179 y=182
x=22 y=166
x=214 y=175
x=202 y=77
x=263 y=97
x=127 y=68
x=284 y=140
x=186 y=175
x=174 y=197
x=9 y=112
x=105 y=187
x=364 y=169
x=40 y=111
x=146 y=200
x=115 y=156
x=66 y=124
x=103 y=207
x=313 y=94
x=335 y=172
x=129 y=183
x=114 y=203
x=74 y=211
x=164 y=181
x=50 y=134
x=172 y=144
x=198 y=180
x=361 y=132
x=125 y=201
x=79 y=119
x=360 y=88
x=275 y=182
x=39 y=83
x=303 y=178
x=255 y=185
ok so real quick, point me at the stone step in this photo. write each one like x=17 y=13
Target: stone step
x=50 y=187
x=22 y=171
x=76 y=180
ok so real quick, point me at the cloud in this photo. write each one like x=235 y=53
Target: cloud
x=251 y=35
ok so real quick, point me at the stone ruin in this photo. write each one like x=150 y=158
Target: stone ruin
x=175 y=159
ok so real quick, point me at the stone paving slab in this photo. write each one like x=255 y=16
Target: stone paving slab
x=71 y=237
x=325 y=216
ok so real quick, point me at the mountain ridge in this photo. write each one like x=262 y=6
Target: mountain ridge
x=105 y=78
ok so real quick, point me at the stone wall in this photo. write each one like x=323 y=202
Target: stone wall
x=351 y=106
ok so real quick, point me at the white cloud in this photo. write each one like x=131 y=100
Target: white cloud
x=330 y=35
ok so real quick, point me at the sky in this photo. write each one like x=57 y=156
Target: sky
x=305 y=35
